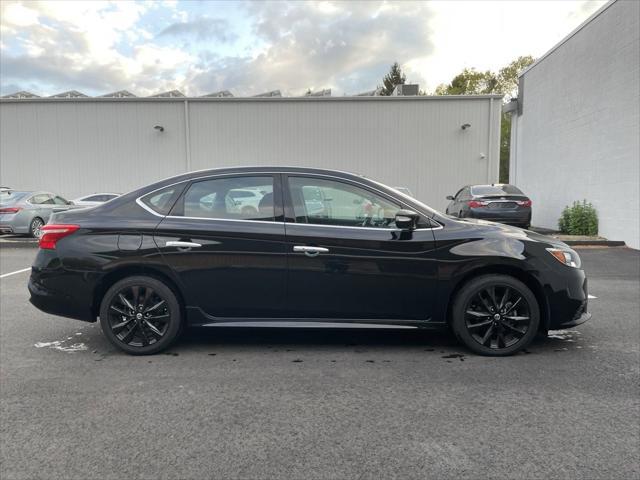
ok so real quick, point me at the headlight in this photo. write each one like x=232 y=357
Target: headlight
x=566 y=256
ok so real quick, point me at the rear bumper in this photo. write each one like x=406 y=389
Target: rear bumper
x=4 y=228
x=520 y=217
x=46 y=297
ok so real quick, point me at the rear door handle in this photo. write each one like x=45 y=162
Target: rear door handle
x=182 y=244
x=310 y=251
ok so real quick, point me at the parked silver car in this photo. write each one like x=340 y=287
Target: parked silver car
x=94 y=199
x=27 y=212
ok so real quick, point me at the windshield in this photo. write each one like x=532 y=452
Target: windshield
x=8 y=196
x=409 y=198
x=484 y=190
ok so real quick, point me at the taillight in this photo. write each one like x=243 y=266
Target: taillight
x=477 y=204
x=52 y=233
x=10 y=210
x=524 y=203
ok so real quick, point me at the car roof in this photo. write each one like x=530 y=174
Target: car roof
x=252 y=169
x=99 y=193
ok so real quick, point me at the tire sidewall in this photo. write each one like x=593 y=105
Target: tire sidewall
x=174 y=311
x=33 y=234
x=458 y=323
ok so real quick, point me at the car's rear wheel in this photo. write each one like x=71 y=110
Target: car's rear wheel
x=140 y=315
x=495 y=315
x=35 y=227
x=249 y=211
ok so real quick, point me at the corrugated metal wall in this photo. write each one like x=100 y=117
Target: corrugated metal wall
x=81 y=146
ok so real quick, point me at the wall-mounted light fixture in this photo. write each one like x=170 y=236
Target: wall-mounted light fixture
x=465 y=126
x=160 y=128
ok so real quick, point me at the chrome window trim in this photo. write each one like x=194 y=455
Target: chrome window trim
x=150 y=210
x=377 y=229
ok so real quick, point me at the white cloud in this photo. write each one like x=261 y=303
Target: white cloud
x=347 y=46
x=18 y=15
x=488 y=35
x=74 y=45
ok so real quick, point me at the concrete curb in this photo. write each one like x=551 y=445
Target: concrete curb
x=595 y=243
x=18 y=243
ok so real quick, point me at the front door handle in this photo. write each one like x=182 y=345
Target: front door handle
x=310 y=251
x=182 y=244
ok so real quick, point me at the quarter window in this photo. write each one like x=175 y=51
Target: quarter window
x=328 y=202
x=162 y=200
x=229 y=198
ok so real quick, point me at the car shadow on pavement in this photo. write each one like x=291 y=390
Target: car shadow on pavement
x=288 y=339
x=344 y=337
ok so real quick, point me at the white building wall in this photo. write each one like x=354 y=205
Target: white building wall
x=579 y=133
x=85 y=145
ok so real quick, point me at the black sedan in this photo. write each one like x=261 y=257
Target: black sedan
x=497 y=202
x=320 y=248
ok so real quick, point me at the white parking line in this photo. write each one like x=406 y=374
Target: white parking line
x=13 y=273
x=592 y=296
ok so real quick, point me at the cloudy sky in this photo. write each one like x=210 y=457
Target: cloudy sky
x=252 y=47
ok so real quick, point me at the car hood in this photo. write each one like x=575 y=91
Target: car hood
x=487 y=228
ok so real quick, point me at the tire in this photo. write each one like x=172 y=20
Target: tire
x=153 y=325
x=518 y=312
x=249 y=211
x=34 y=227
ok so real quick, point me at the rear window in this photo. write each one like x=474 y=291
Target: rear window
x=11 y=197
x=495 y=190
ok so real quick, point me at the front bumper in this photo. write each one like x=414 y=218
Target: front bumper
x=568 y=298
x=583 y=317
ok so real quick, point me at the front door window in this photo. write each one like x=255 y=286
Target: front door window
x=329 y=202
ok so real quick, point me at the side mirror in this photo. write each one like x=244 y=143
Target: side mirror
x=449 y=197
x=406 y=219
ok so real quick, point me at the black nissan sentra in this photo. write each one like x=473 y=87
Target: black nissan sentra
x=274 y=246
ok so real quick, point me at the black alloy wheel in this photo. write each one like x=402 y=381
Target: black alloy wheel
x=495 y=315
x=140 y=315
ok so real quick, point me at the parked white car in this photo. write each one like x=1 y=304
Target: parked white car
x=95 y=199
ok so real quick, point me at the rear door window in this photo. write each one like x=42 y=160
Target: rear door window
x=41 y=199
x=229 y=198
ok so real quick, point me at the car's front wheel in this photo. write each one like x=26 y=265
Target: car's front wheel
x=140 y=315
x=495 y=315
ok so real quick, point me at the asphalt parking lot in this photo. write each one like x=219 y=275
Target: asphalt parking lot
x=248 y=403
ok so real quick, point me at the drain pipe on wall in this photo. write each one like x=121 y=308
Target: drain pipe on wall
x=490 y=147
x=187 y=137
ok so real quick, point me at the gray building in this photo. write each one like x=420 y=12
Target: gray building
x=576 y=127
x=76 y=146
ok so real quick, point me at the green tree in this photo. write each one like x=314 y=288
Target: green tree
x=391 y=79
x=505 y=82
x=470 y=82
